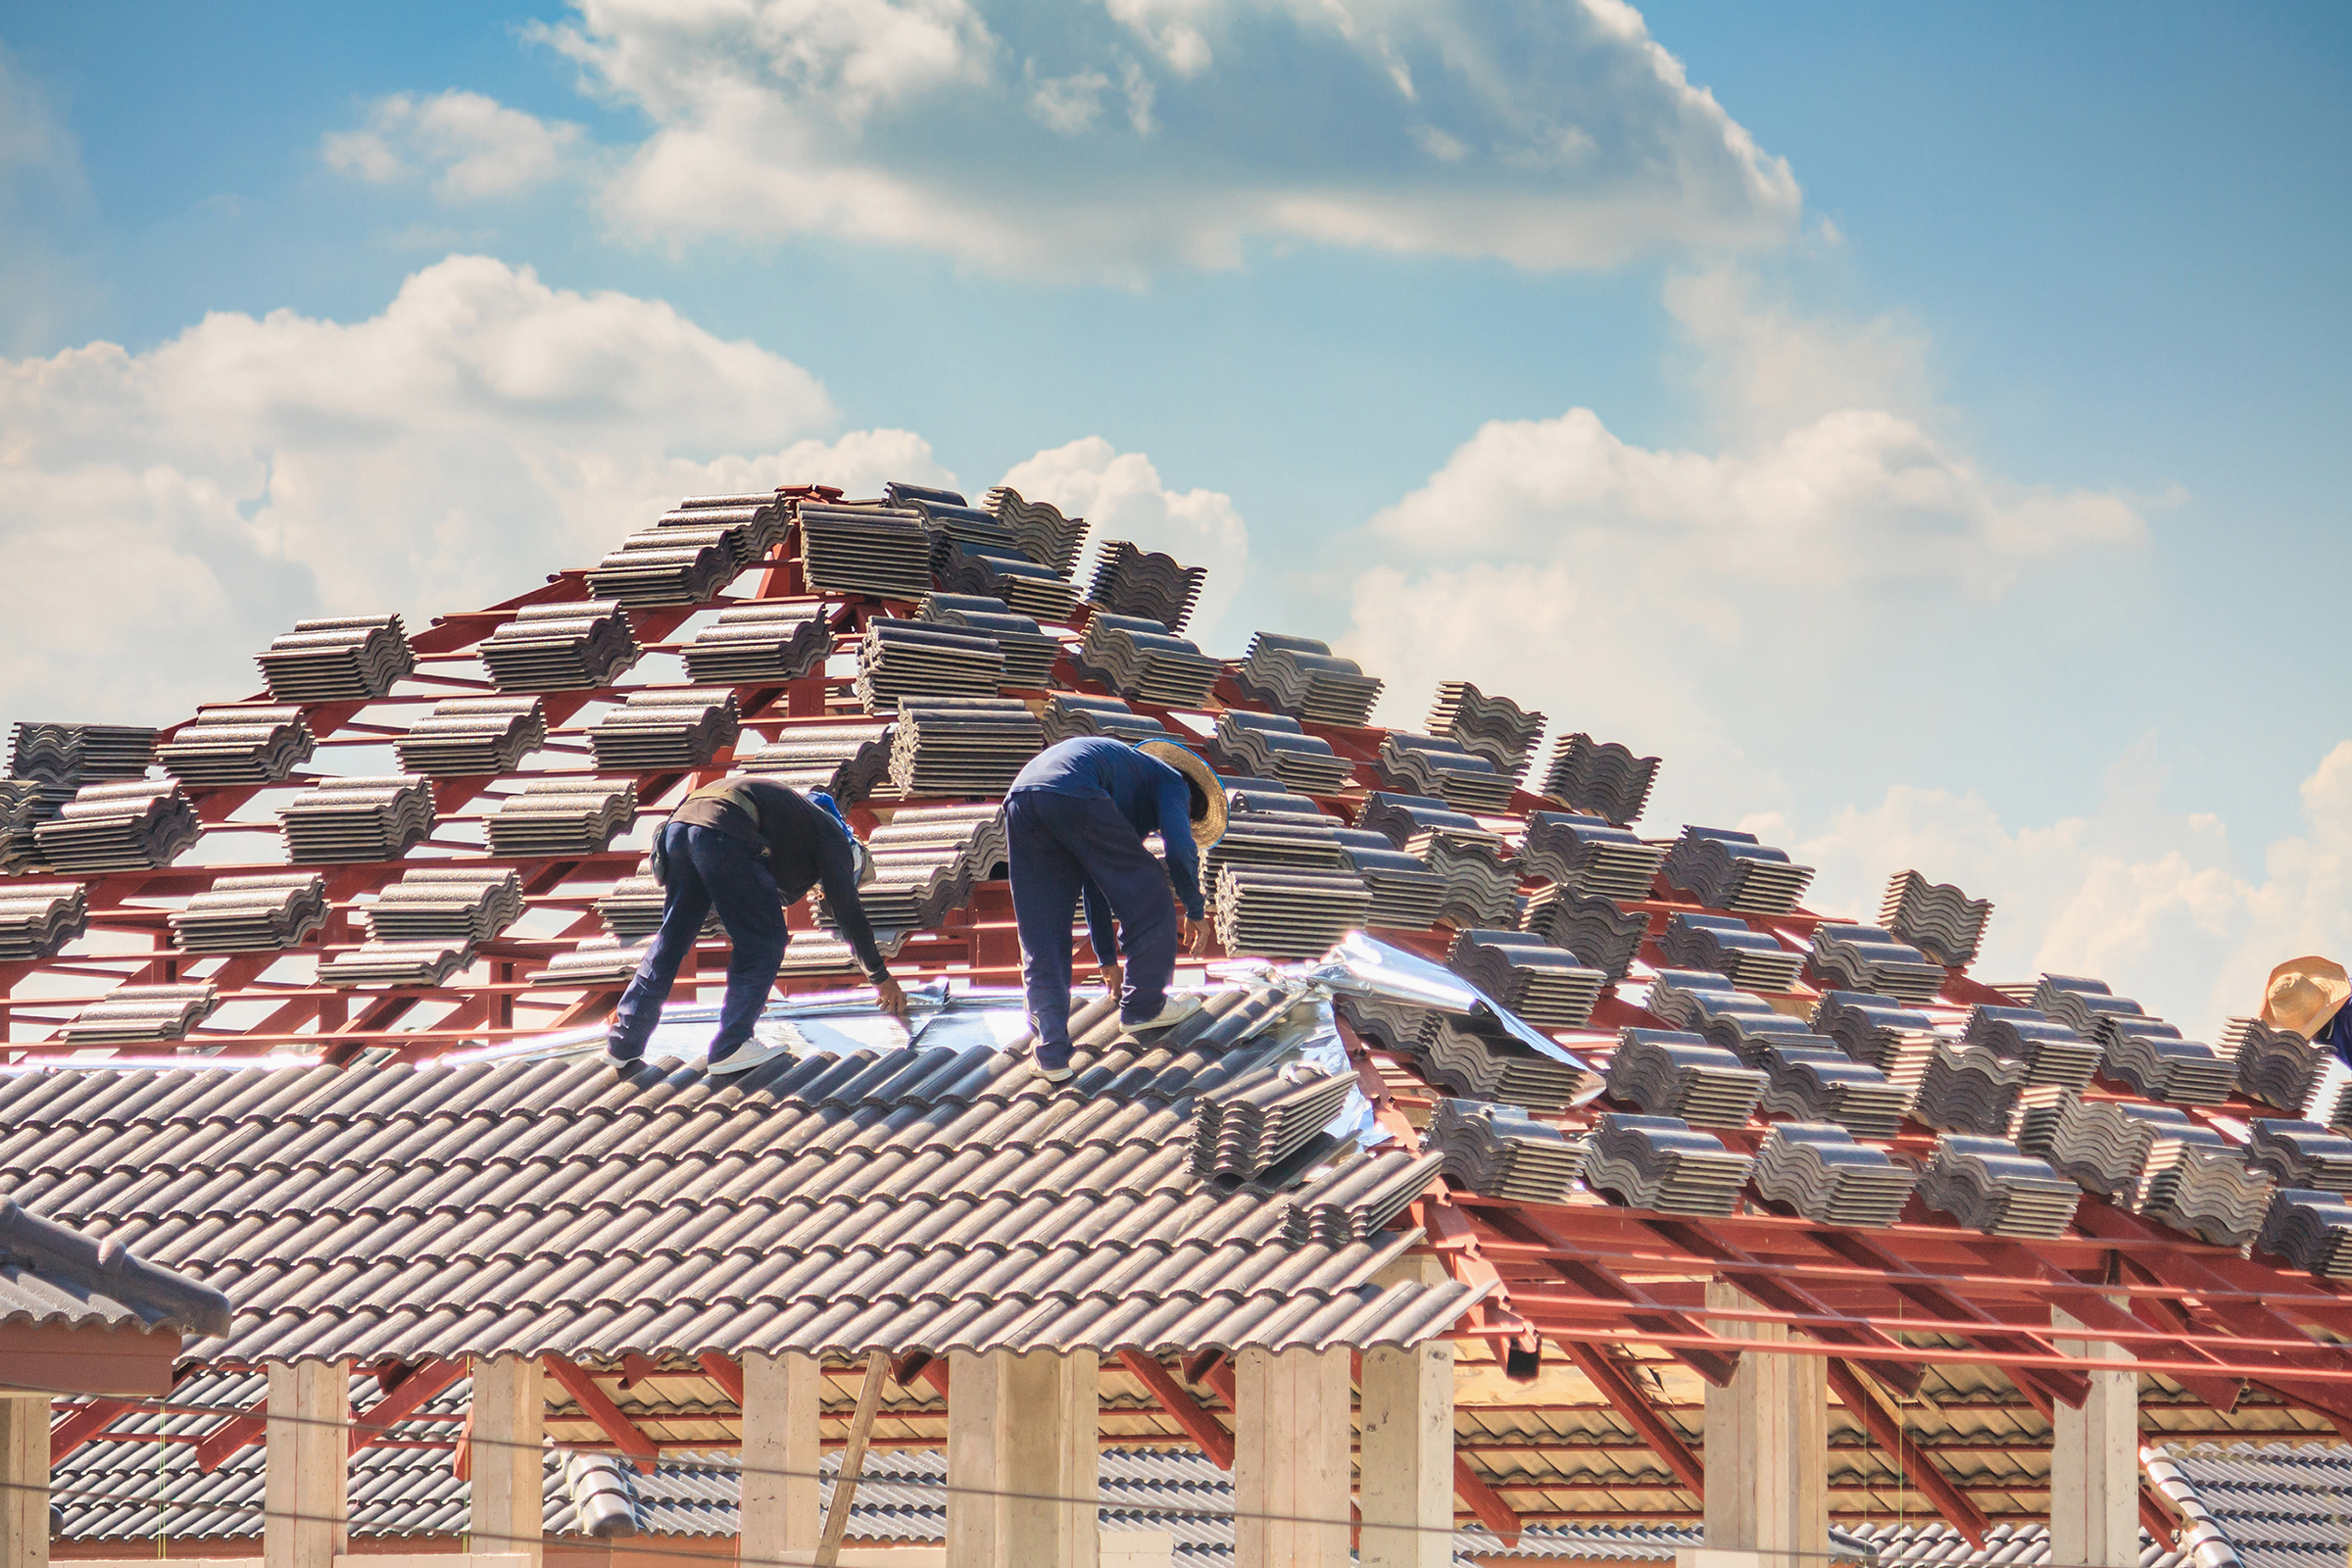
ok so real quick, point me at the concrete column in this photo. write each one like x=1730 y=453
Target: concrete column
x=1290 y=1459
x=1024 y=1444
x=306 y=1474
x=1407 y=1457
x=782 y=1396
x=1768 y=1447
x=2094 y=1464
x=25 y=1473
x=509 y=1435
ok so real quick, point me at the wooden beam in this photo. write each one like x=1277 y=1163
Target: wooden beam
x=1624 y=1394
x=1182 y=1408
x=1485 y=1502
x=625 y=1434
x=2161 y=1528
x=1958 y=1512
x=238 y=1432
x=82 y=1425
x=724 y=1371
x=853 y=1459
x=408 y=1396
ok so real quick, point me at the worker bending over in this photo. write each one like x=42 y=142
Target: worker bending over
x=2307 y=996
x=746 y=846
x=1075 y=822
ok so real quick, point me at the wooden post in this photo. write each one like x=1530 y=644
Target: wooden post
x=305 y=1475
x=25 y=1472
x=1290 y=1459
x=853 y=1459
x=2094 y=1464
x=509 y=1436
x=1023 y=1452
x=1768 y=1448
x=782 y=1398
x=1407 y=1457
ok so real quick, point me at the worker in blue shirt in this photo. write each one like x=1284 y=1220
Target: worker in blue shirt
x=1075 y=822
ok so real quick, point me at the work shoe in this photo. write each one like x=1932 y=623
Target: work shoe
x=1053 y=1075
x=622 y=1056
x=745 y=1054
x=1172 y=1012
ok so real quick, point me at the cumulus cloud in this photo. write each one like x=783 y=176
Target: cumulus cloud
x=1121 y=496
x=1564 y=137
x=474 y=147
x=189 y=502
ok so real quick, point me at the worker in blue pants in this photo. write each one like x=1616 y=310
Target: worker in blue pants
x=1075 y=822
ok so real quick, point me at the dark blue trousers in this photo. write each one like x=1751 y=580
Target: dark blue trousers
x=708 y=869
x=1057 y=845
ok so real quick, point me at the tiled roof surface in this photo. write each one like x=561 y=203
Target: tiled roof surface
x=936 y=1198
x=53 y=1275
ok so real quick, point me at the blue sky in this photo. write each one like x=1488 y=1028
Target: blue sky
x=1961 y=485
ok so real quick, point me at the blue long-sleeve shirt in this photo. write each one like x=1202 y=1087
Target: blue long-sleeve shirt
x=1150 y=795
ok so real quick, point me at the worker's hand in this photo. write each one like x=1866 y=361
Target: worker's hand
x=890 y=997
x=1110 y=975
x=1194 y=933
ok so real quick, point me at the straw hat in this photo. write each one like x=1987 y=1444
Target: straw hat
x=1208 y=828
x=2304 y=994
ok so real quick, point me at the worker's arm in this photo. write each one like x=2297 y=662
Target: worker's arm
x=1176 y=832
x=837 y=875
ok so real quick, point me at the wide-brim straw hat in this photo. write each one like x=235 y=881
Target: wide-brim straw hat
x=2304 y=994
x=1210 y=828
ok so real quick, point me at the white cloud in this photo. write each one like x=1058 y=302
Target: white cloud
x=1565 y=139
x=1764 y=368
x=1121 y=497
x=2149 y=900
x=477 y=147
x=189 y=502
x=33 y=140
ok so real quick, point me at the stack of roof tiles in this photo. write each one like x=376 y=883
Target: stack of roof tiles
x=2115 y=1149
x=1501 y=1151
x=78 y=754
x=1130 y=581
x=1069 y=714
x=2276 y=1066
x=1540 y=983
x=2302 y=1153
x=1418 y=764
x=1866 y=958
x=850 y=762
x=2311 y=1229
x=122 y=826
x=2143 y=1051
x=36 y=918
x=396 y=964
x=223 y=746
x=1484 y=1061
x=632 y=909
x=1406 y=818
x=1406 y=895
x=357 y=819
x=1494 y=728
x=1029 y=654
x=1674 y=1073
x=765 y=640
x=1752 y=960
x=570 y=647
x=1382 y=1021
x=1728 y=869
x=1144 y=661
x=1820 y=1172
x=961 y=746
x=1263 y=911
x=1606 y=779
x=992 y=564
x=1969 y=1089
x=340 y=658
x=24 y=804
x=1808 y=1079
x=1353 y=1205
x=1988 y=1186
x=926 y=862
x=1936 y=918
x=473 y=737
x=1589 y=854
x=1897 y=1039
x=1606 y=937
x=1304 y=678
x=262 y=913
x=1663 y=1164
x=1277 y=841
x=673 y=729
x=2052 y=1052
x=1480 y=874
x=881 y=551
x=899 y=659
x=1259 y=1126
x=597 y=963
x=1039 y=526
x=561 y=816
x=1273 y=746
x=135 y=1015
x=1706 y=1002
x=668 y=565
x=2210 y=1193
x=452 y=904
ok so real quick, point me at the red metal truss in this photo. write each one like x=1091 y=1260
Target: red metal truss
x=1917 y=1467
x=608 y=1417
x=403 y=1400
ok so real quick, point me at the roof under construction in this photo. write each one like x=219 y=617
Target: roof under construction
x=300 y=1000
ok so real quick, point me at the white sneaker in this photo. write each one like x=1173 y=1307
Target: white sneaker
x=1053 y=1075
x=750 y=1053
x=1173 y=1011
